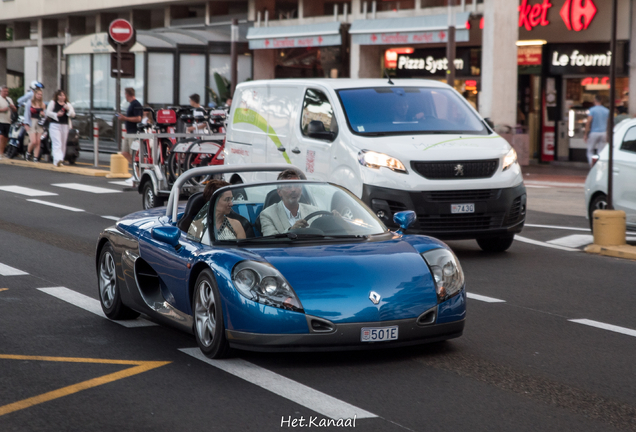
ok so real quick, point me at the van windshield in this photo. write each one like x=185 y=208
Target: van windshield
x=408 y=110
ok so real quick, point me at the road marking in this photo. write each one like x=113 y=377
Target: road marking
x=557 y=227
x=296 y=392
x=555 y=184
x=86 y=188
x=544 y=244
x=122 y=182
x=5 y=270
x=574 y=240
x=484 y=298
x=610 y=327
x=115 y=218
x=4 y=289
x=26 y=191
x=60 y=206
x=139 y=367
x=537 y=187
x=91 y=305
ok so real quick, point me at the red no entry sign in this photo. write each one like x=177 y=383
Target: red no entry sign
x=121 y=31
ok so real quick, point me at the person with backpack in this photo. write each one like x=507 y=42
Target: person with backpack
x=60 y=112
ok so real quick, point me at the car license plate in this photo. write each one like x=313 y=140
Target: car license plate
x=378 y=334
x=462 y=208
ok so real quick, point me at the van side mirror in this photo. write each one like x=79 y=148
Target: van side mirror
x=490 y=123
x=316 y=129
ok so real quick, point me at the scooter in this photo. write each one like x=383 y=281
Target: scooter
x=17 y=146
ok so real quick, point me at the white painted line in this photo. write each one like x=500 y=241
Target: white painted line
x=574 y=240
x=544 y=244
x=557 y=227
x=86 y=188
x=537 y=187
x=122 y=182
x=90 y=305
x=610 y=327
x=26 y=191
x=296 y=392
x=115 y=218
x=5 y=270
x=60 y=206
x=555 y=184
x=484 y=298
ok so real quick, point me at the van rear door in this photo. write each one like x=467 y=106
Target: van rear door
x=281 y=110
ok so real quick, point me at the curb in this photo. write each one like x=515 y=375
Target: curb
x=622 y=251
x=50 y=167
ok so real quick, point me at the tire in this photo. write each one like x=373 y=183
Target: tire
x=11 y=152
x=496 y=244
x=108 y=287
x=209 y=329
x=196 y=160
x=176 y=165
x=148 y=198
x=598 y=203
x=71 y=160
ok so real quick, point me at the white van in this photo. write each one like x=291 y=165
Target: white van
x=401 y=145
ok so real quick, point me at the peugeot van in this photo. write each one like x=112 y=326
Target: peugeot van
x=398 y=145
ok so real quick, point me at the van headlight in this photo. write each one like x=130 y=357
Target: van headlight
x=446 y=271
x=262 y=283
x=509 y=159
x=376 y=160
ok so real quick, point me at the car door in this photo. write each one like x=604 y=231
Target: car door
x=312 y=154
x=625 y=176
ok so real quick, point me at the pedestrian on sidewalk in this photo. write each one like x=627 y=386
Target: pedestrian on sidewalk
x=34 y=110
x=6 y=106
x=596 y=128
x=134 y=113
x=60 y=112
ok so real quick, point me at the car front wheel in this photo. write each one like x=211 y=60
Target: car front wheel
x=209 y=329
x=598 y=203
x=496 y=244
x=109 y=293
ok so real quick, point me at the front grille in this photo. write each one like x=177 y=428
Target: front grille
x=396 y=206
x=441 y=223
x=515 y=211
x=456 y=169
x=462 y=196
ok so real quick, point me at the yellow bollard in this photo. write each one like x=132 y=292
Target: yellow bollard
x=118 y=167
x=609 y=227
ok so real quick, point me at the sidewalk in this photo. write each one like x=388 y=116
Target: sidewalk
x=83 y=166
x=558 y=174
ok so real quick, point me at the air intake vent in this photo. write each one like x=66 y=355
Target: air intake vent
x=428 y=317
x=321 y=326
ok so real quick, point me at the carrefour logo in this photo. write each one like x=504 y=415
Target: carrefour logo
x=576 y=14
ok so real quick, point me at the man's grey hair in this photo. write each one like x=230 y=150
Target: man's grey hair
x=288 y=174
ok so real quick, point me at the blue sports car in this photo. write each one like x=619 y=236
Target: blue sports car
x=331 y=277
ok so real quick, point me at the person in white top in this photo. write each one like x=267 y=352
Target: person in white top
x=60 y=112
x=6 y=106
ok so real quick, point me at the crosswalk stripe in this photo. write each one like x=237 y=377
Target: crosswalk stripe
x=555 y=184
x=544 y=244
x=60 y=206
x=91 y=305
x=5 y=270
x=26 y=191
x=296 y=392
x=610 y=327
x=574 y=240
x=556 y=227
x=86 y=188
x=483 y=298
x=122 y=182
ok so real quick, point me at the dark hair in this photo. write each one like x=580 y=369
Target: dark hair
x=288 y=174
x=621 y=109
x=212 y=186
x=130 y=91
x=59 y=92
x=195 y=97
x=598 y=98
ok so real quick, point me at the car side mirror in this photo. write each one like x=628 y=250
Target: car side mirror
x=316 y=129
x=490 y=123
x=167 y=234
x=404 y=219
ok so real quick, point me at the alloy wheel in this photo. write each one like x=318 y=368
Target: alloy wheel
x=107 y=279
x=205 y=313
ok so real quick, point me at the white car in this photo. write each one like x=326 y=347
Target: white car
x=624 y=188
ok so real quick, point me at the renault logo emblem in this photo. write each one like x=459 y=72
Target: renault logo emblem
x=459 y=170
x=374 y=297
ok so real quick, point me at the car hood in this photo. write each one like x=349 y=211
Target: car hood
x=334 y=281
x=408 y=148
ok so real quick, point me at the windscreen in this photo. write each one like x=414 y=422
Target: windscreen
x=406 y=110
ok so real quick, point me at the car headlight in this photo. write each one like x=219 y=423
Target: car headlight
x=376 y=160
x=509 y=159
x=262 y=283
x=447 y=273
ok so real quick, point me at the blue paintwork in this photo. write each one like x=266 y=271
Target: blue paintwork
x=453 y=309
x=404 y=219
x=167 y=234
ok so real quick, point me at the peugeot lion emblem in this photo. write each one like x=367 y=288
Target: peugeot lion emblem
x=374 y=297
x=459 y=170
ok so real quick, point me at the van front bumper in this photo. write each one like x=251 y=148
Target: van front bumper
x=498 y=212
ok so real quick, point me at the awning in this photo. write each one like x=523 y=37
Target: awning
x=94 y=44
x=312 y=35
x=410 y=30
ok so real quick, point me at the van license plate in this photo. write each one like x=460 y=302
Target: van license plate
x=462 y=208
x=377 y=334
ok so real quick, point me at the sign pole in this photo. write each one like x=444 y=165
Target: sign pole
x=610 y=118
x=118 y=95
x=450 y=46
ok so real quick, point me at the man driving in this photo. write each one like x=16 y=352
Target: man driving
x=287 y=214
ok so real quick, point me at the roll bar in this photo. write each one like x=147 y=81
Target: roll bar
x=173 y=201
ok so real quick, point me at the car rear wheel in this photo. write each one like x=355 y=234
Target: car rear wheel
x=109 y=295
x=496 y=244
x=598 y=203
x=209 y=329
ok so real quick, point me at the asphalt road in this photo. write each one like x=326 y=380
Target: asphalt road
x=521 y=364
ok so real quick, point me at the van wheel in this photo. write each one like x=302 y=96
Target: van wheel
x=598 y=203
x=496 y=244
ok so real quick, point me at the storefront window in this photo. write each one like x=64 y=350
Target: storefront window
x=103 y=84
x=79 y=80
x=160 y=78
x=191 y=77
x=220 y=68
